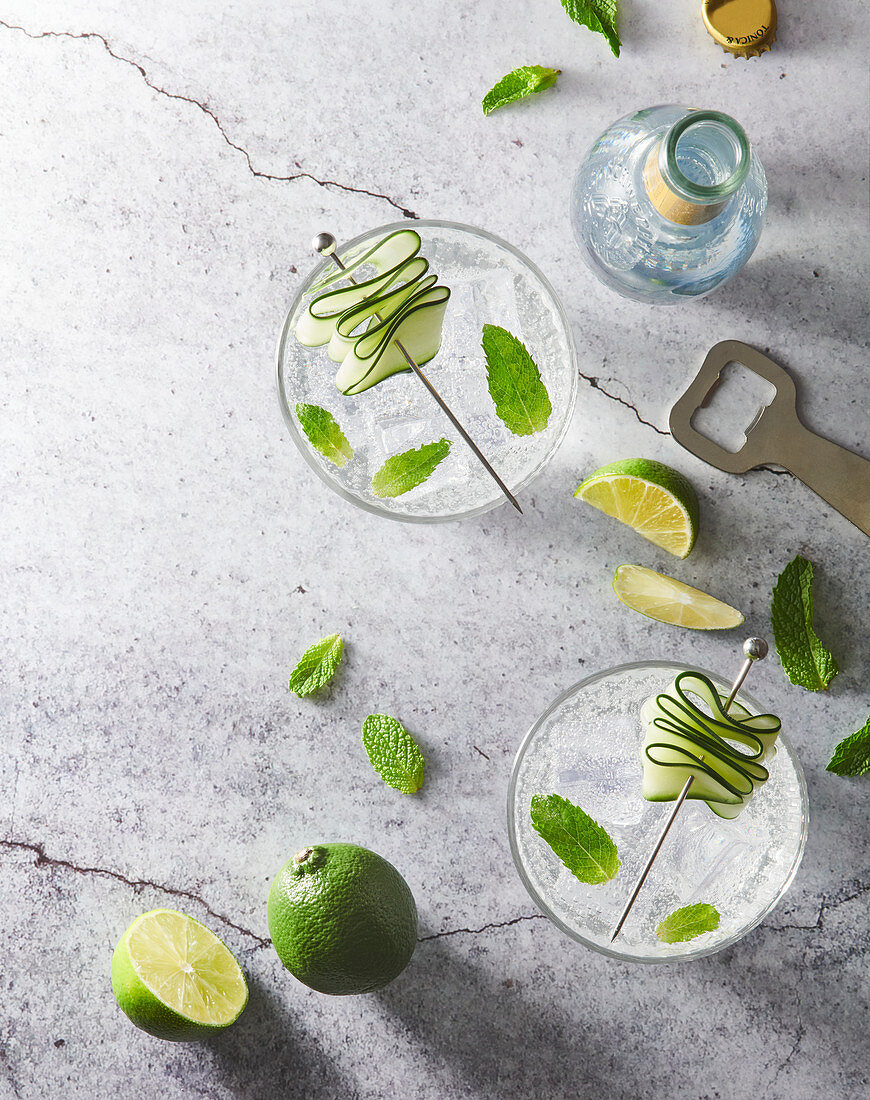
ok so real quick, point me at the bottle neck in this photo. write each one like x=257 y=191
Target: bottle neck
x=701 y=161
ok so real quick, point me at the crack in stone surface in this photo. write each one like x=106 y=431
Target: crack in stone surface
x=206 y=110
x=595 y=382
x=794 y=1049
x=45 y=860
x=827 y=904
x=483 y=928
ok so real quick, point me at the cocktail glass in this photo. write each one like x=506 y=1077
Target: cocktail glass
x=586 y=747
x=491 y=283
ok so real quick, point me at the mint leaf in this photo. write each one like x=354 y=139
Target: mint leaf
x=401 y=473
x=317 y=665
x=688 y=922
x=521 y=398
x=805 y=660
x=581 y=843
x=393 y=752
x=518 y=84
x=597 y=15
x=324 y=433
x=852 y=755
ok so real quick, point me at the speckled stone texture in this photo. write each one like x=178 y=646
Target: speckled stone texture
x=166 y=553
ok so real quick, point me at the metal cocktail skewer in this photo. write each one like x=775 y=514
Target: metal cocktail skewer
x=754 y=649
x=324 y=243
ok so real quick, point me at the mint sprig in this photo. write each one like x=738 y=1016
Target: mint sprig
x=403 y=472
x=804 y=658
x=518 y=84
x=852 y=755
x=324 y=434
x=393 y=752
x=688 y=922
x=317 y=665
x=584 y=847
x=597 y=15
x=521 y=399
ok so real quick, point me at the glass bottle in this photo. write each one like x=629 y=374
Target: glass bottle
x=669 y=203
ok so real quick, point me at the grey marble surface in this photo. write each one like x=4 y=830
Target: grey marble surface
x=166 y=554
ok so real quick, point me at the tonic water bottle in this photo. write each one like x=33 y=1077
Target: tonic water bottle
x=668 y=203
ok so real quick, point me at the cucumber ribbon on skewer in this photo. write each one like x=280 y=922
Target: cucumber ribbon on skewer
x=361 y=322
x=683 y=739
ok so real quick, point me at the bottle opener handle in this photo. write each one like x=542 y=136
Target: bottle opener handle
x=838 y=475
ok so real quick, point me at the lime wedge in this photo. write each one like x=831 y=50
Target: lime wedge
x=175 y=979
x=656 y=501
x=670 y=601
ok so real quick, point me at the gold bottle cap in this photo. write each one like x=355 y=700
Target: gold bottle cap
x=744 y=28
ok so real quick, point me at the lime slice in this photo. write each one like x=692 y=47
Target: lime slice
x=175 y=979
x=658 y=502
x=670 y=601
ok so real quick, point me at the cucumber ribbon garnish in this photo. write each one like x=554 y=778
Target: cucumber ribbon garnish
x=682 y=739
x=361 y=322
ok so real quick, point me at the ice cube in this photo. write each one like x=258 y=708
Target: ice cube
x=400 y=433
x=706 y=849
x=495 y=299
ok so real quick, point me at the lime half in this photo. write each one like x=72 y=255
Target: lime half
x=175 y=979
x=656 y=501
x=670 y=601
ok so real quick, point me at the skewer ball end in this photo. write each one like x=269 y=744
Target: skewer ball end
x=755 y=649
x=324 y=243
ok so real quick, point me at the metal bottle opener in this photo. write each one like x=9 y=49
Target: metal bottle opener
x=838 y=475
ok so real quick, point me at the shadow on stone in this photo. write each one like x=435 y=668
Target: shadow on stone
x=834 y=621
x=269 y=1053
x=498 y=1037
x=812 y=304
x=802 y=1003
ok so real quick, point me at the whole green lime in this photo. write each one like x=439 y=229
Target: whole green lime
x=342 y=919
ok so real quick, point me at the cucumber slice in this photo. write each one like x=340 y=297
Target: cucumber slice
x=361 y=322
x=688 y=733
x=375 y=355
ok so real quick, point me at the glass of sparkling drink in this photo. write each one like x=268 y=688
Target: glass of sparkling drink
x=490 y=282
x=587 y=747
